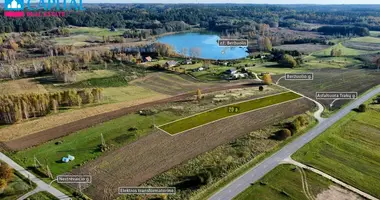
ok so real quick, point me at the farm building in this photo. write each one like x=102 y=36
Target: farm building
x=239 y=75
x=188 y=62
x=199 y=69
x=170 y=63
x=148 y=59
x=231 y=71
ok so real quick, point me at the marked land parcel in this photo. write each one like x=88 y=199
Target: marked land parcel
x=223 y=112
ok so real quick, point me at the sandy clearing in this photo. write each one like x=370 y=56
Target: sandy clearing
x=337 y=193
x=21 y=86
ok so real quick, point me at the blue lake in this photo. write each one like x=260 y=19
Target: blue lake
x=207 y=43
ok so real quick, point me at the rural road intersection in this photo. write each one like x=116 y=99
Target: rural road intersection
x=41 y=186
x=256 y=173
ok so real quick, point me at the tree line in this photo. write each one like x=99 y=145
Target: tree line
x=15 y=108
x=344 y=30
x=169 y=18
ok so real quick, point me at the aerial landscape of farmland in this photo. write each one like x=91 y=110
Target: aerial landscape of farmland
x=219 y=101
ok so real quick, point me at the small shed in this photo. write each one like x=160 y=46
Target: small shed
x=188 y=62
x=170 y=63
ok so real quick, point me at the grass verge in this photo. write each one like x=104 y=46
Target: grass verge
x=284 y=182
x=42 y=196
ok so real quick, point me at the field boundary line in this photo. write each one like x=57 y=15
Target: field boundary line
x=222 y=107
x=162 y=130
x=289 y=160
x=234 y=116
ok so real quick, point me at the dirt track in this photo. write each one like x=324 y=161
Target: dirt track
x=138 y=162
x=63 y=130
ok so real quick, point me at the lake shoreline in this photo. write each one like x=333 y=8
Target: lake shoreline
x=203 y=45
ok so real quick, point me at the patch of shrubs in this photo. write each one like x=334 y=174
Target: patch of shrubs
x=80 y=196
x=203 y=177
x=132 y=129
x=292 y=128
x=147 y=112
x=362 y=108
x=104 y=147
x=283 y=134
x=58 y=142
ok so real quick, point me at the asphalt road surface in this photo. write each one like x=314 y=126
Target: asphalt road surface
x=41 y=186
x=256 y=173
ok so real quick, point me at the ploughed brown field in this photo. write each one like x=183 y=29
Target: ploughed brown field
x=138 y=162
x=335 y=80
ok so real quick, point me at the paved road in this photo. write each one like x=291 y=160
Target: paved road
x=37 y=190
x=256 y=173
x=42 y=186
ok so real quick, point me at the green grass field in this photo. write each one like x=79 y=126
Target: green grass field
x=349 y=150
x=75 y=40
x=345 y=51
x=222 y=112
x=314 y=62
x=368 y=39
x=128 y=93
x=95 y=31
x=81 y=36
x=270 y=67
x=84 y=144
x=85 y=75
x=214 y=73
x=284 y=182
x=375 y=33
x=113 y=81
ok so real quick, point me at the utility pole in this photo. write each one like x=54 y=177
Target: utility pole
x=102 y=138
x=36 y=162
x=49 y=172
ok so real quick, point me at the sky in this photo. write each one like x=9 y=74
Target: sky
x=236 y=1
